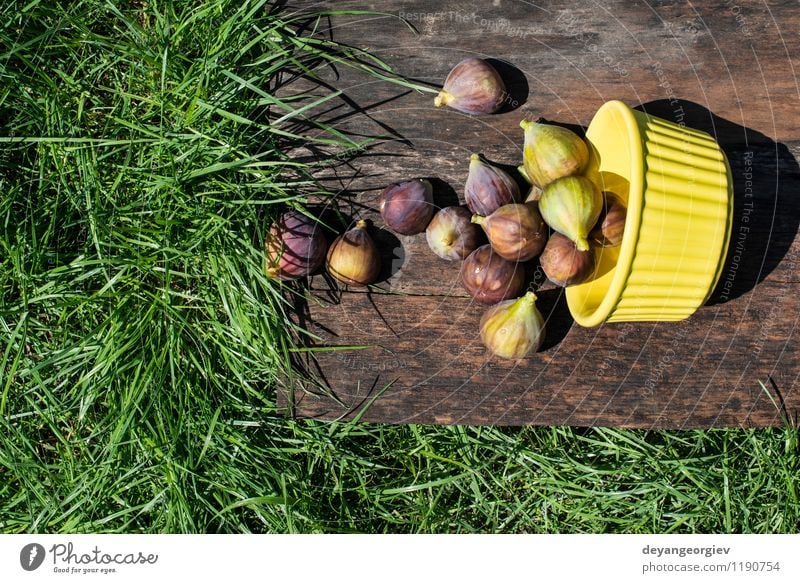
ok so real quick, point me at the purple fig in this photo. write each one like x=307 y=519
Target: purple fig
x=407 y=207
x=515 y=231
x=473 y=86
x=489 y=278
x=563 y=264
x=353 y=257
x=451 y=234
x=488 y=187
x=295 y=246
x=611 y=225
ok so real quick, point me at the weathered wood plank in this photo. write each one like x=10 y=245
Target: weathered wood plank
x=700 y=372
x=728 y=70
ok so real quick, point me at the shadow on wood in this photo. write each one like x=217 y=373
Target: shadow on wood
x=516 y=85
x=443 y=193
x=392 y=252
x=552 y=303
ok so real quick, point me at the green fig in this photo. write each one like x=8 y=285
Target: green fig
x=534 y=192
x=552 y=152
x=488 y=187
x=571 y=206
x=513 y=328
x=524 y=174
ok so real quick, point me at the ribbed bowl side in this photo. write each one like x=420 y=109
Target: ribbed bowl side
x=684 y=224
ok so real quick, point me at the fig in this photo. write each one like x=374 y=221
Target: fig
x=551 y=152
x=451 y=234
x=472 y=86
x=534 y=194
x=563 y=264
x=611 y=224
x=521 y=170
x=571 y=206
x=489 y=278
x=488 y=187
x=407 y=207
x=513 y=328
x=515 y=231
x=295 y=246
x=353 y=257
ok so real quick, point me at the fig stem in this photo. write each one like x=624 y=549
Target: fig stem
x=477 y=219
x=361 y=224
x=443 y=98
x=581 y=244
x=526 y=302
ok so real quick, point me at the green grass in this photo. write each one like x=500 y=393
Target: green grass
x=144 y=151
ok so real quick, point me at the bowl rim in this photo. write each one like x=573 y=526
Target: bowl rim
x=627 y=249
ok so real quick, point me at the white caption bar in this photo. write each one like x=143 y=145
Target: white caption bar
x=401 y=558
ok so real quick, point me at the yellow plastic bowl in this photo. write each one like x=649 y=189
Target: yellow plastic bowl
x=677 y=185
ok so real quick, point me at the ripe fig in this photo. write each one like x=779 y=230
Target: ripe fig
x=611 y=225
x=488 y=187
x=489 y=278
x=473 y=86
x=563 y=264
x=353 y=257
x=521 y=170
x=407 y=207
x=571 y=205
x=513 y=328
x=451 y=234
x=534 y=194
x=295 y=246
x=515 y=231
x=552 y=152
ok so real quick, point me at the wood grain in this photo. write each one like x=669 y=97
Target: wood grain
x=729 y=70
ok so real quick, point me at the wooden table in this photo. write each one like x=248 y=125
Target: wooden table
x=727 y=68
